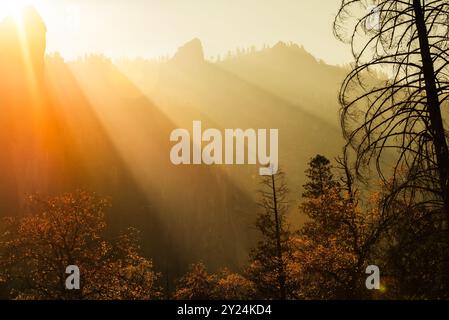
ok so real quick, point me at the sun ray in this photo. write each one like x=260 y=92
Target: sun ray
x=19 y=12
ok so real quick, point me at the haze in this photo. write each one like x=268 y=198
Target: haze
x=154 y=28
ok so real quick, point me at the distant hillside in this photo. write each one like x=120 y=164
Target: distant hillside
x=293 y=74
x=281 y=87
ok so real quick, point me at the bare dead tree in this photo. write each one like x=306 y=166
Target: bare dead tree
x=273 y=249
x=347 y=177
x=392 y=99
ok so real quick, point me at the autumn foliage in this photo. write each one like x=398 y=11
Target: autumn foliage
x=324 y=258
x=71 y=230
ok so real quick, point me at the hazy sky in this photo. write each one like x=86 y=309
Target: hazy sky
x=151 y=28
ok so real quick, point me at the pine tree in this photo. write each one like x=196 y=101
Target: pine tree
x=320 y=177
x=339 y=237
x=271 y=256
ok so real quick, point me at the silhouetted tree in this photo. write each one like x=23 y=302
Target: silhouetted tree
x=407 y=40
x=347 y=179
x=339 y=237
x=271 y=256
x=320 y=177
x=397 y=123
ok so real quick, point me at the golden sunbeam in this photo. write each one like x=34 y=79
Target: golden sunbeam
x=30 y=72
x=21 y=16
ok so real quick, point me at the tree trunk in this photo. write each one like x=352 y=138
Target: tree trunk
x=433 y=105
x=281 y=275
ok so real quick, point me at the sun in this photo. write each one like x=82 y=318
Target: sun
x=13 y=8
